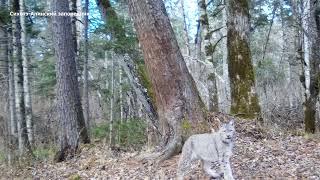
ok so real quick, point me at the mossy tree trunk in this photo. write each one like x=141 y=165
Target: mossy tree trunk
x=176 y=96
x=244 y=100
x=313 y=30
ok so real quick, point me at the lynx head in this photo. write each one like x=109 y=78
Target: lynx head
x=227 y=132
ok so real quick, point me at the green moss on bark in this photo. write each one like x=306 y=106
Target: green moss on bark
x=242 y=80
x=146 y=82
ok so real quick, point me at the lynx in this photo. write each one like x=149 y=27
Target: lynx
x=213 y=149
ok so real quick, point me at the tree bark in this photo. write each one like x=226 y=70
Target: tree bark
x=129 y=68
x=70 y=115
x=312 y=46
x=74 y=29
x=23 y=142
x=207 y=50
x=86 y=108
x=244 y=100
x=176 y=96
x=12 y=102
x=26 y=83
x=5 y=83
x=226 y=85
x=185 y=29
x=111 y=122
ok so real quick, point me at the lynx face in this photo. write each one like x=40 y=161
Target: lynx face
x=227 y=132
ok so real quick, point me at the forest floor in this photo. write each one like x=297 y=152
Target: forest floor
x=259 y=153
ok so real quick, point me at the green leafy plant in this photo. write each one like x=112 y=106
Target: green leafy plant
x=42 y=153
x=130 y=134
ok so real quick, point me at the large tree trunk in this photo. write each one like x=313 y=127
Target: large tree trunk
x=24 y=144
x=26 y=84
x=244 y=100
x=176 y=96
x=70 y=115
x=5 y=83
x=311 y=50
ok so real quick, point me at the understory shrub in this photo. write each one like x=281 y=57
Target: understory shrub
x=129 y=135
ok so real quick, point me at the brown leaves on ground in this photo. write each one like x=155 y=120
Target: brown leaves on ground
x=258 y=154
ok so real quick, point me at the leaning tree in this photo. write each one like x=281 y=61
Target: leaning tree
x=176 y=96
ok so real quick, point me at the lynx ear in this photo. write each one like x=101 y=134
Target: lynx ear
x=212 y=130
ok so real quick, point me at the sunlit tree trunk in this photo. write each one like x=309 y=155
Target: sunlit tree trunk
x=226 y=84
x=70 y=115
x=306 y=48
x=120 y=102
x=244 y=100
x=185 y=28
x=311 y=57
x=23 y=142
x=75 y=29
x=111 y=122
x=176 y=96
x=121 y=93
x=26 y=83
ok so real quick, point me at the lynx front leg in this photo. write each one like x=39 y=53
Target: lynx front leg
x=213 y=172
x=227 y=171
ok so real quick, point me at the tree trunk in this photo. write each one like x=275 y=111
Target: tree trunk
x=23 y=142
x=244 y=100
x=74 y=30
x=70 y=115
x=185 y=29
x=312 y=46
x=296 y=64
x=86 y=108
x=12 y=102
x=120 y=102
x=226 y=85
x=26 y=83
x=176 y=96
x=5 y=83
x=111 y=122
x=207 y=49
x=120 y=93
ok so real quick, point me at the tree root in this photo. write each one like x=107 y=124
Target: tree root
x=172 y=148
